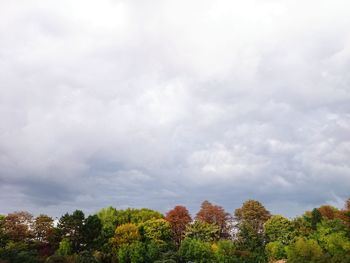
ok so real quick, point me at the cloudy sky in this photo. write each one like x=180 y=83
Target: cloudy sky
x=157 y=103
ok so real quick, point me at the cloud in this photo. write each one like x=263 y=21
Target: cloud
x=128 y=103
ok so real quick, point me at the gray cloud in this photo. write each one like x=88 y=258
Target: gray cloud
x=154 y=104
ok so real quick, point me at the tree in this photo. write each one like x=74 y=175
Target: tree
x=43 y=228
x=71 y=227
x=304 y=251
x=347 y=205
x=253 y=213
x=17 y=226
x=316 y=218
x=275 y=250
x=91 y=231
x=126 y=234
x=202 y=231
x=3 y=236
x=332 y=237
x=250 y=219
x=157 y=230
x=328 y=211
x=137 y=216
x=134 y=252
x=214 y=214
x=179 y=218
x=279 y=228
x=225 y=252
x=108 y=217
x=194 y=250
x=65 y=248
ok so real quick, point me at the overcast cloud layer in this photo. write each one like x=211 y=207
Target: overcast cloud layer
x=158 y=103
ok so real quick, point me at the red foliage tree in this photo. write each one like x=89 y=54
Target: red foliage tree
x=179 y=218
x=214 y=214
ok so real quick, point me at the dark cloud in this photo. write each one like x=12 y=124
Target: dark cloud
x=128 y=103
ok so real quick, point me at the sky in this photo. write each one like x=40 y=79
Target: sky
x=135 y=103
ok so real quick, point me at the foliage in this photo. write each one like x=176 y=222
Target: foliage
x=65 y=248
x=136 y=216
x=253 y=213
x=126 y=234
x=304 y=251
x=157 y=230
x=275 y=250
x=321 y=235
x=216 y=215
x=91 y=231
x=226 y=252
x=43 y=228
x=17 y=226
x=196 y=250
x=250 y=220
x=316 y=218
x=108 y=217
x=71 y=227
x=279 y=228
x=202 y=231
x=179 y=218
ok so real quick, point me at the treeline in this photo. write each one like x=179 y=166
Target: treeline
x=250 y=234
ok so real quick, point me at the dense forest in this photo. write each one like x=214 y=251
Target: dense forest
x=250 y=234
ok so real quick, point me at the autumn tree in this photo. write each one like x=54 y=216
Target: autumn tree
x=328 y=211
x=17 y=226
x=253 y=213
x=214 y=214
x=179 y=218
x=250 y=219
x=126 y=234
x=345 y=213
x=43 y=228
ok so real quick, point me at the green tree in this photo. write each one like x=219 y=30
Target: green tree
x=71 y=227
x=91 y=231
x=195 y=250
x=226 y=252
x=275 y=250
x=332 y=237
x=65 y=248
x=279 y=228
x=126 y=234
x=304 y=251
x=157 y=230
x=202 y=231
x=316 y=218
x=108 y=217
x=137 y=216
